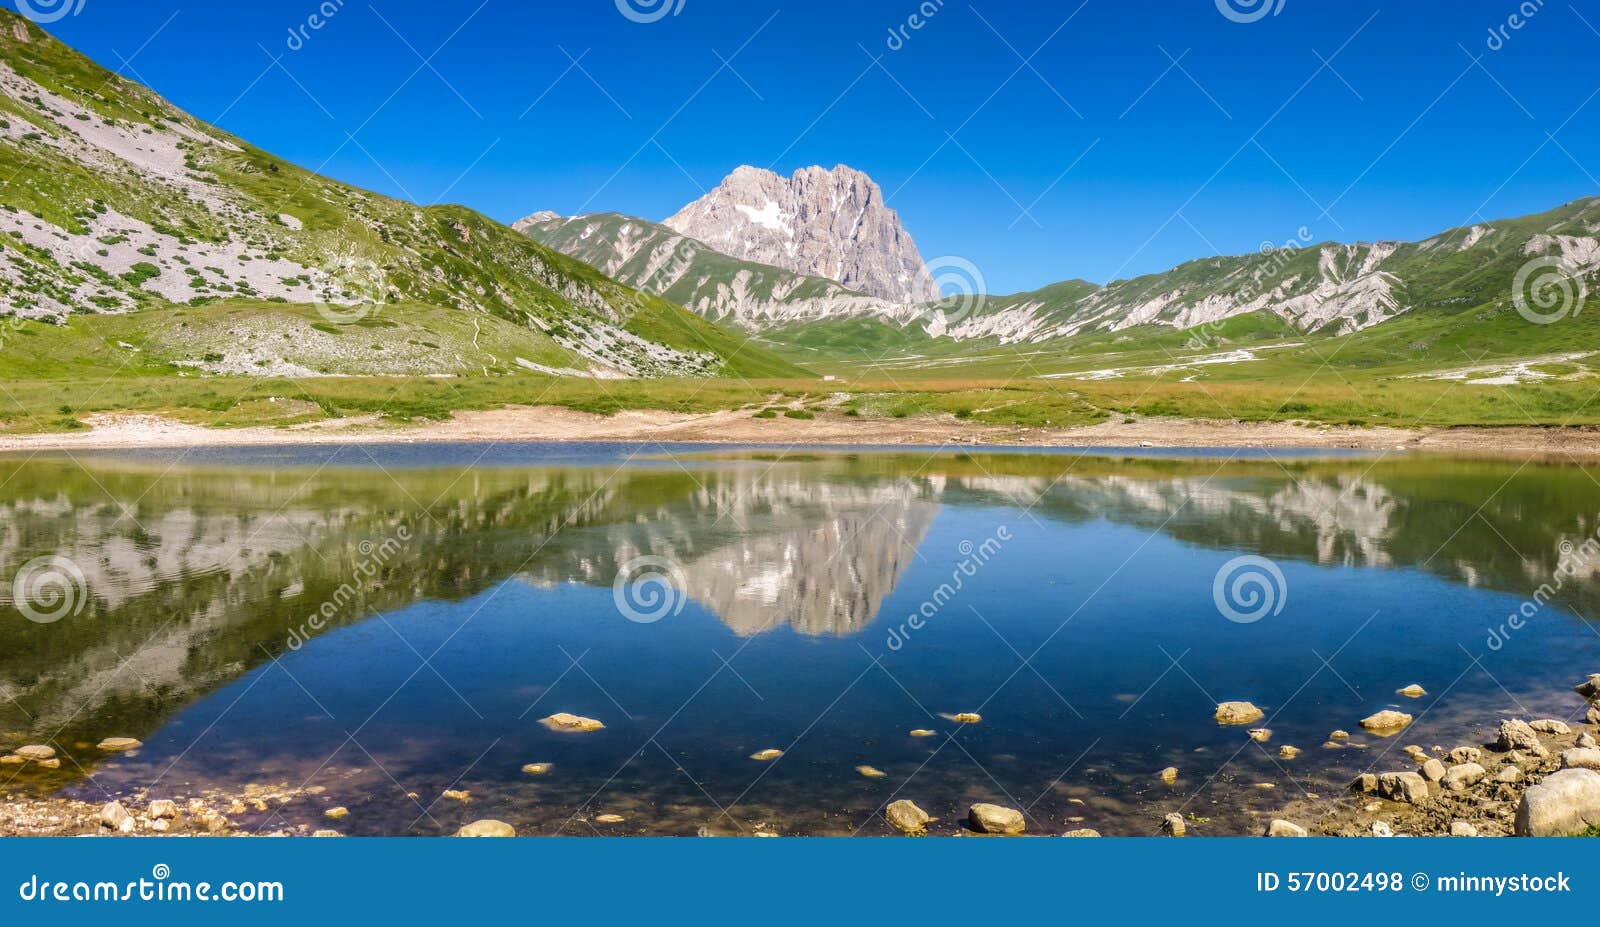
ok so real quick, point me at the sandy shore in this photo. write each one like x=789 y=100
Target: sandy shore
x=111 y=431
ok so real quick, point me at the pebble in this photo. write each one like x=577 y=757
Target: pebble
x=114 y=816
x=1382 y=829
x=119 y=744
x=1082 y=832
x=1339 y=735
x=336 y=813
x=610 y=819
x=923 y=732
x=538 y=769
x=1433 y=771
x=162 y=808
x=1260 y=734
x=1463 y=777
x=766 y=756
x=1169 y=775
x=994 y=819
x=1413 y=691
x=1509 y=774
x=1172 y=825
x=1287 y=752
x=460 y=795
x=487 y=829
x=968 y=717
x=871 y=772
x=1282 y=828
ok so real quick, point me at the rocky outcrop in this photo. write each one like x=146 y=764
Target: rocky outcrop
x=831 y=224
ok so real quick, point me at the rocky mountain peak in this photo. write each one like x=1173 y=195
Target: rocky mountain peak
x=825 y=223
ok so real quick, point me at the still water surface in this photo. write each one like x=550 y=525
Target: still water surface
x=361 y=626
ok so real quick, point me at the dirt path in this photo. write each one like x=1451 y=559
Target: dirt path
x=109 y=431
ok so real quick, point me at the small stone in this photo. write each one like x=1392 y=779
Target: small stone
x=538 y=769
x=335 y=814
x=1387 y=723
x=1465 y=755
x=119 y=744
x=1552 y=727
x=329 y=833
x=1590 y=689
x=609 y=819
x=35 y=752
x=1364 y=784
x=1082 y=832
x=1433 y=771
x=1287 y=752
x=1382 y=829
x=923 y=732
x=994 y=819
x=907 y=818
x=1169 y=775
x=1587 y=741
x=162 y=808
x=1260 y=734
x=1172 y=825
x=968 y=717
x=460 y=795
x=12 y=760
x=487 y=829
x=1282 y=828
x=1509 y=774
x=1413 y=691
x=1408 y=787
x=1463 y=777
x=1518 y=735
x=562 y=721
x=1415 y=752
x=1565 y=803
x=113 y=815
x=1462 y=829
x=766 y=756
x=871 y=772
x=54 y=763
x=1339 y=736
x=1266 y=786
x=1238 y=713
x=1588 y=758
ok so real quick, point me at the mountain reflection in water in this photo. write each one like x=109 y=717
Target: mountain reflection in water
x=198 y=575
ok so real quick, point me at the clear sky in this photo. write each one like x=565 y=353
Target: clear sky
x=1040 y=140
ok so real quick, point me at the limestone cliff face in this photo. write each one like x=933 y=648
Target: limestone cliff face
x=831 y=224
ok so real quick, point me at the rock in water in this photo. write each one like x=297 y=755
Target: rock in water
x=1173 y=826
x=766 y=756
x=871 y=772
x=609 y=819
x=338 y=813
x=1589 y=689
x=1281 y=828
x=1260 y=734
x=562 y=721
x=460 y=795
x=538 y=769
x=1238 y=713
x=1581 y=759
x=1387 y=723
x=1565 y=803
x=1082 y=832
x=1287 y=752
x=994 y=819
x=1413 y=691
x=35 y=752
x=1519 y=735
x=1169 y=775
x=1463 y=777
x=119 y=744
x=923 y=732
x=821 y=223
x=487 y=829
x=968 y=717
x=1406 y=787
x=907 y=818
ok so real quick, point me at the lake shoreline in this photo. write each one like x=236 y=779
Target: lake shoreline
x=530 y=424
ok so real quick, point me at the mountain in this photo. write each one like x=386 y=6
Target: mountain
x=819 y=223
x=656 y=259
x=115 y=202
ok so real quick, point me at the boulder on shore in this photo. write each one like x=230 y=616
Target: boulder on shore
x=994 y=819
x=1463 y=777
x=1518 y=735
x=1407 y=787
x=1238 y=713
x=907 y=818
x=1282 y=828
x=487 y=828
x=1433 y=771
x=1552 y=727
x=1581 y=758
x=1565 y=803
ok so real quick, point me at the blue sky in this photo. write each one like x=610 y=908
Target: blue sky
x=1041 y=141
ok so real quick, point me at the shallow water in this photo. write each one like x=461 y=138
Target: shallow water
x=357 y=626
